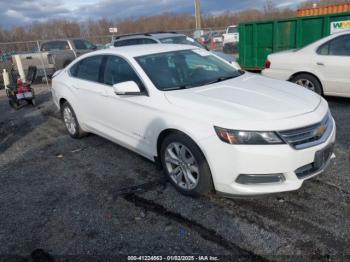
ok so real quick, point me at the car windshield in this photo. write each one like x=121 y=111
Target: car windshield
x=184 y=40
x=232 y=30
x=185 y=69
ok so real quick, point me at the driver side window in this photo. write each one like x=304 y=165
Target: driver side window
x=117 y=70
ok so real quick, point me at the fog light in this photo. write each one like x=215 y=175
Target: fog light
x=260 y=179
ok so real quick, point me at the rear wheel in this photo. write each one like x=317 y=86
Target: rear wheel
x=185 y=165
x=308 y=81
x=71 y=122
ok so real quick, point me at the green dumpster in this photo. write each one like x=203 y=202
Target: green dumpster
x=259 y=39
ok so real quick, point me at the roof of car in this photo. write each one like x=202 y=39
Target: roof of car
x=140 y=50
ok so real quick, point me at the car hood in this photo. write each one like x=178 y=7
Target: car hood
x=248 y=97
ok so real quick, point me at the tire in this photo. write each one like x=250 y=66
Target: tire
x=308 y=81
x=185 y=165
x=71 y=122
x=33 y=102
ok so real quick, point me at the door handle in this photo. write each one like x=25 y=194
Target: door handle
x=320 y=63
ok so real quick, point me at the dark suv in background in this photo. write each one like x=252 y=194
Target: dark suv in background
x=165 y=38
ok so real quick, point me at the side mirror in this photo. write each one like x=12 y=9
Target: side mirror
x=127 y=88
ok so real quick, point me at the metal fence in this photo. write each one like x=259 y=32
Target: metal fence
x=8 y=50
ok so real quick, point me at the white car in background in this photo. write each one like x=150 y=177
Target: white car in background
x=210 y=126
x=323 y=67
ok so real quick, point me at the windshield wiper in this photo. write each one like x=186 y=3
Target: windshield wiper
x=220 y=79
x=178 y=88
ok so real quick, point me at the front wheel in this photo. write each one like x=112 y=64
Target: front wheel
x=185 y=165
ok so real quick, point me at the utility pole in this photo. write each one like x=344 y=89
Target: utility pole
x=197 y=5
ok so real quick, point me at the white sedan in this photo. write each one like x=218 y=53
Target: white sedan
x=323 y=67
x=210 y=126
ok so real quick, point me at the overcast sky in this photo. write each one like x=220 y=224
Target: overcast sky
x=22 y=12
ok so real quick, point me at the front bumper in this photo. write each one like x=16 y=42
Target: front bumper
x=234 y=160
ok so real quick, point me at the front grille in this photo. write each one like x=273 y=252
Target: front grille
x=309 y=136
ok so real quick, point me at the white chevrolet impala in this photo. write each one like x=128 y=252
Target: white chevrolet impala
x=210 y=126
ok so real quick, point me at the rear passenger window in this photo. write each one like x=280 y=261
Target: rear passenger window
x=117 y=70
x=339 y=46
x=323 y=50
x=74 y=70
x=89 y=68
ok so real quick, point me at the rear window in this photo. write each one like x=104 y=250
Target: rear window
x=184 y=40
x=55 y=46
x=232 y=30
x=134 y=41
x=82 y=44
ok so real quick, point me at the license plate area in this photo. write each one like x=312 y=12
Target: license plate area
x=24 y=95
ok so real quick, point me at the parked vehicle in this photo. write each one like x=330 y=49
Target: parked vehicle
x=53 y=55
x=20 y=93
x=210 y=126
x=230 y=39
x=259 y=39
x=216 y=37
x=322 y=67
x=204 y=39
x=166 y=38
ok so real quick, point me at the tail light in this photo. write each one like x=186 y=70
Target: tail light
x=267 y=63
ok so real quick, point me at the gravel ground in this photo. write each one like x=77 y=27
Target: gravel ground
x=90 y=197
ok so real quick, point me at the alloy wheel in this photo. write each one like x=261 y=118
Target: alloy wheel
x=181 y=165
x=306 y=83
x=69 y=120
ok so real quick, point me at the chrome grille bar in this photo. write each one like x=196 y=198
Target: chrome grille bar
x=309 y=136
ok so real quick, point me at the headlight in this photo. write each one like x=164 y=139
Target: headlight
x=236 y=137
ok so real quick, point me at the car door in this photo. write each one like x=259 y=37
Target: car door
x=89 y=91
x=127 y=117
x=333 y=62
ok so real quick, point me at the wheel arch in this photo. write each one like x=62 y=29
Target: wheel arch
x=164 y=133
x=62 y=101
x=307 y=73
